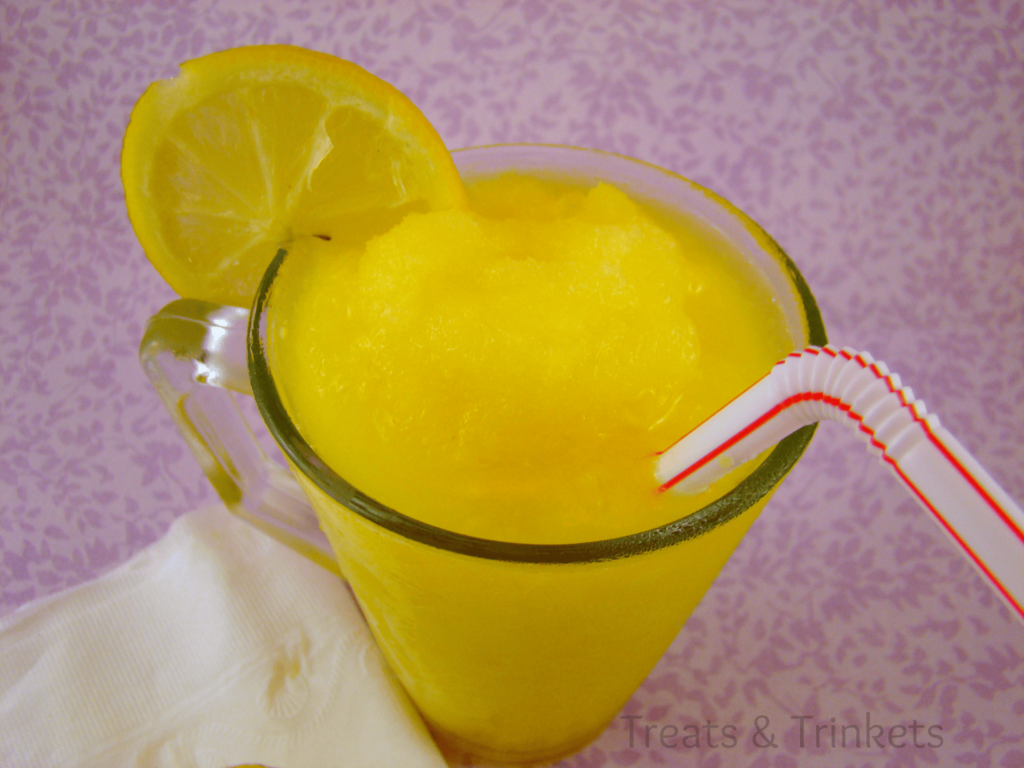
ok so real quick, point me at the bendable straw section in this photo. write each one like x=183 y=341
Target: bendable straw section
x=825 y=383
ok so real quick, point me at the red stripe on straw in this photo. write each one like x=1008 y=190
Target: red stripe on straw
x=971 y=480
x=760 y=421
x=977 y=561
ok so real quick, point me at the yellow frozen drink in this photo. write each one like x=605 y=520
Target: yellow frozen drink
x=507 y=372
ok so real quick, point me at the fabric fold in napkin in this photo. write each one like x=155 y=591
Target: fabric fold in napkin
x=214 y=647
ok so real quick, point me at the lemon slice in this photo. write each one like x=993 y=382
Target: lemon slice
x=252 y=147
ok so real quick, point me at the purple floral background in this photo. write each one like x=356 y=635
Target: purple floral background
x=881 y=143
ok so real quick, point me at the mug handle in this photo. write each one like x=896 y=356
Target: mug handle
x=194 y=354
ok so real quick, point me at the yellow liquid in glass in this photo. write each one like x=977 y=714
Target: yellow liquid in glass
x=508 y=373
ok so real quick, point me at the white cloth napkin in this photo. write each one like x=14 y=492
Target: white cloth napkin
x=214 y=647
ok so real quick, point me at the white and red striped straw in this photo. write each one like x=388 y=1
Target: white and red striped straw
x=850 y=387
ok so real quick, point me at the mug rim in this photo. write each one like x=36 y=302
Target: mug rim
x=726 y=507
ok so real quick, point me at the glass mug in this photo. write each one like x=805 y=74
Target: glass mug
x=514 y=653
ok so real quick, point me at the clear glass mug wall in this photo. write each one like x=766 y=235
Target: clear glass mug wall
x=512 y=652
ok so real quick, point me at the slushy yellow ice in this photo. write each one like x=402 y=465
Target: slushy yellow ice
x=507 y=372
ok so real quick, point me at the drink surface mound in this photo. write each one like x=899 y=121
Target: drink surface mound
x=507 y=372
